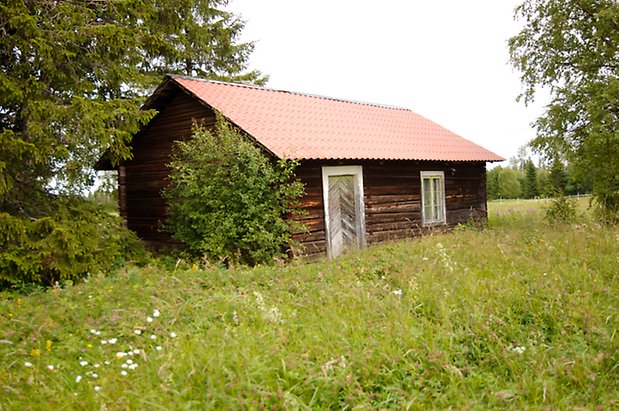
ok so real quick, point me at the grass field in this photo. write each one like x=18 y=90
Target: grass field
x=518 y=315
x=503 y=207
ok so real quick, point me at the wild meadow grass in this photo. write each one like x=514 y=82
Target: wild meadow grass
x=538 y=205
x=517 y=315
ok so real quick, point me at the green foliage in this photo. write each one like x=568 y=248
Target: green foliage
x=531 y=181
x=572 y=48
x=518 y=316
x=557 y=177
x=530 y=189
x=542 y=182
x=561 y=210
x=509 y=184
x=504 y=183
x=73 y=76
x=73 y=241
x=576 y=182
x=492 y=183
x=228 y=200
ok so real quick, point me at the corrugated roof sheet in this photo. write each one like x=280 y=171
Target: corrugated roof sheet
x=303 y=126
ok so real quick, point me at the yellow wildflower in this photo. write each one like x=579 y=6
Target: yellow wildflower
x=19 y=303
x=48 y=345
x=35 y=352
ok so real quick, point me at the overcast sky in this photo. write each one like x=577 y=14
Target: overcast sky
x=444 y=59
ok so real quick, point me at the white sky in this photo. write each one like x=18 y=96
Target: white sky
x=444 y=59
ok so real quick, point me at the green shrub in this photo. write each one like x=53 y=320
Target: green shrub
x=562 y=209
x=75 y=239
x=228 y=200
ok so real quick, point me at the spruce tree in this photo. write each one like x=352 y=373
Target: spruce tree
x=73 y=76
x=557 y=178
x=530 y=189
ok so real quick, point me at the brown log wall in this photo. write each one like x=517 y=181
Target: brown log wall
x=142 y=178
x=392 y=197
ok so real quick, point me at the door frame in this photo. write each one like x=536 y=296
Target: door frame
x=357 y=173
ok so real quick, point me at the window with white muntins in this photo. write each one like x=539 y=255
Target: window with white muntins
x=433 y=197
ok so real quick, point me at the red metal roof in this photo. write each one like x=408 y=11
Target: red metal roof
x=303 y=126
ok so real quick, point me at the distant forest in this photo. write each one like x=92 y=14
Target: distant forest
x=523 y=179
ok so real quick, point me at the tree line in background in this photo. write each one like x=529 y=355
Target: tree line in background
x=523 y=179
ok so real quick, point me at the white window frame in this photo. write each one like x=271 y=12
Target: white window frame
x=427 y=221
x=357 y=173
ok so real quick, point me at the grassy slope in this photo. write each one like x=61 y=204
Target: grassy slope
x=519 y=315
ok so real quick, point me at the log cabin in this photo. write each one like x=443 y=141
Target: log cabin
x=371 y=172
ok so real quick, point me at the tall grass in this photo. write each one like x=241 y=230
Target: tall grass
x=517 y=315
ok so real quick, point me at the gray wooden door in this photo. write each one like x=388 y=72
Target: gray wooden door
x=344 y=222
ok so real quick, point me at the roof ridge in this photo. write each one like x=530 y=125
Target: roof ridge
x=300 y=93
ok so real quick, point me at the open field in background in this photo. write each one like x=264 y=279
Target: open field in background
x=502 y=207
x=518 y=315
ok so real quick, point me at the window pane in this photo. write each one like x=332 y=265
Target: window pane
x=439 y=199
x=433 y=190
x=427 y=209
x=426 y=189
